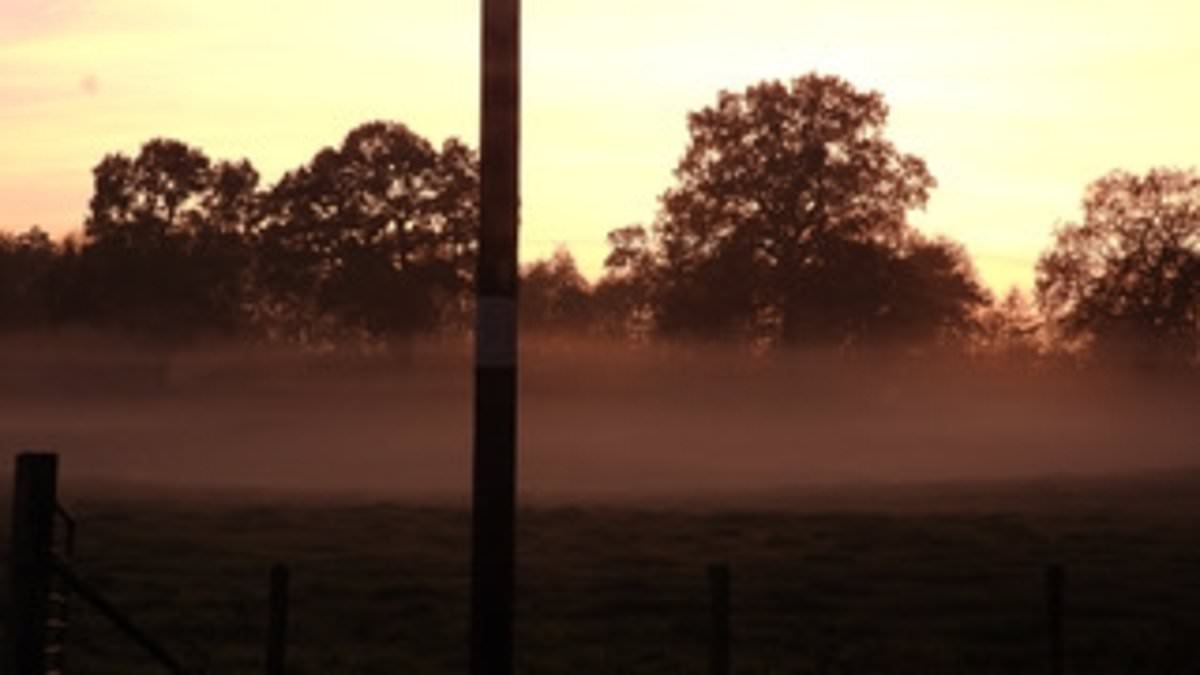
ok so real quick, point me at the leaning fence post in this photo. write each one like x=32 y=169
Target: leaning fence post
x=1054 y=597
x=277 y=620
x=718 y=584
x=32 y=533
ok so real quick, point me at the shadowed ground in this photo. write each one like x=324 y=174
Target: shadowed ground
x=889 y=516
x=926 y=580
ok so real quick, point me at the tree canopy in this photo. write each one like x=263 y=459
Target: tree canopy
x=554 y=295
x=788 y=221
x=27 y=262
x=379 y=232
x=1127 y=278
x=375 y=237
x=165 y=244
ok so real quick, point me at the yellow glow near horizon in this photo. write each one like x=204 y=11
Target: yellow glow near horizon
x=1016 y=106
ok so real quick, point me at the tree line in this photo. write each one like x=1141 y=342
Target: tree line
x=786 y=225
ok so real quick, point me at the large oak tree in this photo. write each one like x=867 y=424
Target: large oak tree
x=788 y=221
x=378 y=233
x=1126 y=279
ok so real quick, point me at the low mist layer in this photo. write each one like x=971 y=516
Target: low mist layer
x=597 y=421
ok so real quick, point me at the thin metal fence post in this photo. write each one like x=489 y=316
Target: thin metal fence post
x=1054 y=597
x=32 y=535
x=718 y=584
x=277 y=621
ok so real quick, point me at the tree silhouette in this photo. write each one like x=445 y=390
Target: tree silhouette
x=165 y=248
x=1127 y=279
x=554 y=296
x=624 y=297
x=379 y=232
x=1011 y=328
x=930 y=292
x=788 y=222
x=27 y=267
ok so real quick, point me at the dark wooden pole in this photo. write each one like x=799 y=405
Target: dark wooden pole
x=277 y=621
x=718 y=584
x=32 y=532
x=1054 y=598
x=494 y=466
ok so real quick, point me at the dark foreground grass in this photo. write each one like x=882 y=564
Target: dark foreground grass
x=920 y=585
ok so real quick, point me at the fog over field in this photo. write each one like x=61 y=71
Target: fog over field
x=597 y=421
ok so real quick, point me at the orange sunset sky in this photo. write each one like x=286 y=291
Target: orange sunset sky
x=1015 y=105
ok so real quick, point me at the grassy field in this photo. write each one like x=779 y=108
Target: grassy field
x=643 y=467
x=921 y=579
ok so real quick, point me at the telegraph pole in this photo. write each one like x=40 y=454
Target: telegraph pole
x=494 y=468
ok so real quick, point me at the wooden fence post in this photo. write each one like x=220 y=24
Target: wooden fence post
x=718 y=584
x=277 y=621
x=1054 y=597
x=32 y=534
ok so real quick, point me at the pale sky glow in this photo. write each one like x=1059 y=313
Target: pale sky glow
x=1015 y=105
